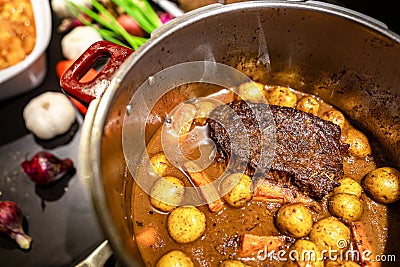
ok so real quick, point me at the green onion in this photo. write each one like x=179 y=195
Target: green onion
x=142 y=12
x=110 y=36
x=114 y=25
x=115 y=31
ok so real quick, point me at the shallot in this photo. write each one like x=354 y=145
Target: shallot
x=131 y=25
x=45 y=168
x=11 y=223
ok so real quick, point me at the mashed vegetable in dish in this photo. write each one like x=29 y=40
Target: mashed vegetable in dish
x=17 y=31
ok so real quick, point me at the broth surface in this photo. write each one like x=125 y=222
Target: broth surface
x=223 y=229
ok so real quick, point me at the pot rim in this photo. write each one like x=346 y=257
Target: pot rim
x=90 y=146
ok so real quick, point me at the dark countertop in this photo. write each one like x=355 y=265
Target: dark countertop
x=60 y=219
x=384 y=11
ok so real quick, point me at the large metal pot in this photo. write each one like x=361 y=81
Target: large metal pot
x=346 y=58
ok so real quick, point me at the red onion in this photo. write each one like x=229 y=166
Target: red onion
x=165 y=17
x=11 y=223
x=45 y=168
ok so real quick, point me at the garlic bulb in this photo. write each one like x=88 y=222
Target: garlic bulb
x=78 y=40
x=59 y=7
x=49 y=114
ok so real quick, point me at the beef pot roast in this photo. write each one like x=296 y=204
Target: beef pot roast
x=306 y=147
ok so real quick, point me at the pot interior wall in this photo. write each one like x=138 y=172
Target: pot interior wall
x=353 y=67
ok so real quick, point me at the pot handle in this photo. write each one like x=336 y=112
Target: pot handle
x=87 y=91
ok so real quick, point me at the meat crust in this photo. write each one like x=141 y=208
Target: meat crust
x=265 y=137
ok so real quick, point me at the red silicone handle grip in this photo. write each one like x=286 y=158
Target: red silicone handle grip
x=87 y=91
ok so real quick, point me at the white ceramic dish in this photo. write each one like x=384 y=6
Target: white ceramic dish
x=29 y=73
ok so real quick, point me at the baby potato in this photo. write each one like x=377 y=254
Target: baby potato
x=240 y=191
x=186 y=224
x=281 y=96
x=233 y=263
x=335 y=117
x=308 y=104
x=348 y=186
x=348 y=207
x=204 y=109
x=341 y=263
x=383 y=184
x=252 y=91
x=175 y=258
x=330 y=234
x=295 y=220
x=160 y=163
x=167 y=193
x=358 y=142
x=306 y=254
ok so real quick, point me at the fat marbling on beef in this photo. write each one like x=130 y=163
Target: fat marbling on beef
x=265 y=137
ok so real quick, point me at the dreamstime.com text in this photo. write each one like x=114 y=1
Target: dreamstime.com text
x=350 y=254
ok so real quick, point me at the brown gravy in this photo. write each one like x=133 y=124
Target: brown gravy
x=221 y=239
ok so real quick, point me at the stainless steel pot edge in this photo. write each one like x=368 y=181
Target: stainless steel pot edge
x=90 y=169
x=97 y=120
x=335 y=10
x=100 y=255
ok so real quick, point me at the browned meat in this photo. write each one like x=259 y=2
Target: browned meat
x=306 y=147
